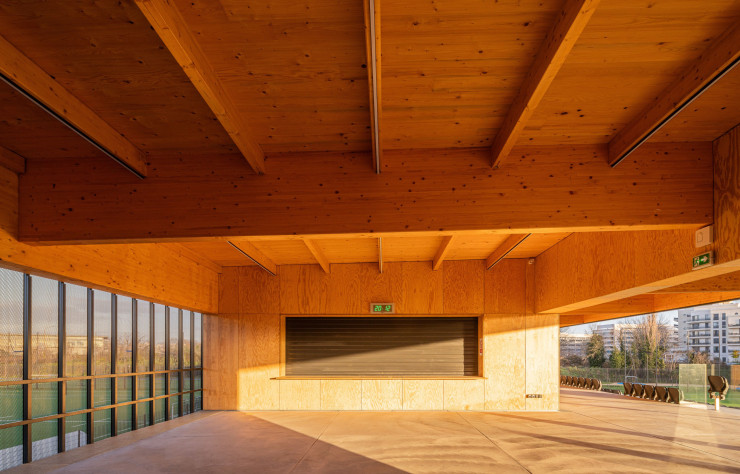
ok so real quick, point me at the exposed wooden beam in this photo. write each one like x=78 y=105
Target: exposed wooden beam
x=380 y=254
x=30 y=80
x=169 y=24
x=718 y=59
x=728 y=282
x=331 y=196
x=12 y=161
x=194 y=256
x=252 y=253
x=570 y=23
x=502 y=250
x=372 y=53
x=444 y=247
x=318 y=255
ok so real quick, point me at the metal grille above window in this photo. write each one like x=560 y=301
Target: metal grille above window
x=378 y=346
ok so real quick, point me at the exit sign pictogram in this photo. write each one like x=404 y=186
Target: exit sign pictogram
x=382 y=308
x=703 y=260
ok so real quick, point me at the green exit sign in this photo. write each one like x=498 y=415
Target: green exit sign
x=382 y=308
x=703 y=260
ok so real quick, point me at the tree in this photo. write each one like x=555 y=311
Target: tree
x=595 y=351
x=617 y=359
x=650 y=341
x=736 y=355
x=698 y=357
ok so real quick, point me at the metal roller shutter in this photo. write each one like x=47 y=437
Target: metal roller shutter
x=381 y=346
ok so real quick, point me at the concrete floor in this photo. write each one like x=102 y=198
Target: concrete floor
x=593 y=432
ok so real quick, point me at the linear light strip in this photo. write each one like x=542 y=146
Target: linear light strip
x=678 y=110
x=374 y=70
x=507 y=252
x=69 y=125
x=249 y=257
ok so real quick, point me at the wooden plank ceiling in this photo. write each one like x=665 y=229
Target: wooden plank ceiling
x=297 y=71
x=294 y=251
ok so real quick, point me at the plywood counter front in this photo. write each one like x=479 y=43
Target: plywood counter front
x=243 y=343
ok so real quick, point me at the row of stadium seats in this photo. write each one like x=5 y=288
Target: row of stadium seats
x=653 y=392
x=580 y=382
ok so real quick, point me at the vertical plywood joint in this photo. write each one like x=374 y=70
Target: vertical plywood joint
x=380 y=254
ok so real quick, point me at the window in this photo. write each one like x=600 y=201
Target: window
x=67 y=324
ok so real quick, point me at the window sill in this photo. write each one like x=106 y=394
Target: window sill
x=378 y=377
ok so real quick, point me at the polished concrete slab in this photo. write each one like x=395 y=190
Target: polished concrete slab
x=593 y=432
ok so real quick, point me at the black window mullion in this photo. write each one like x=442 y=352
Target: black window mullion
x=113 y=360
x=61 y=372
x=27 y=439
x=152 y=377
x=134 y=367
x=180 y=363
x=90 y=361
x=192 y=361
x=167 y=362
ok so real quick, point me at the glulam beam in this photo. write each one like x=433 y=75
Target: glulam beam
x=12 y=161
x=30 y=80
x=168 y=23
x=570 y=23
x=318 y=254
x=506 y=246
x=255 y=255
x=372 y=54
x=444 y=247
x=719 y=57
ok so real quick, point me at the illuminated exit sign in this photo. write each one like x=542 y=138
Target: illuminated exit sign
x=382 y=308
x=703 y=260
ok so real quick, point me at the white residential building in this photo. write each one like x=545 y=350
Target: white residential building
x=714 y=329
x=612 y=333
x=573 y=344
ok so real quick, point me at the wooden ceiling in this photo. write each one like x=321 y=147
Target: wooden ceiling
x=337 y=250
x=297 y=72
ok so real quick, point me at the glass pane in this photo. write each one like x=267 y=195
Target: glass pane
x=159 y=342
x=186 y=404
x=144 y=387
x=198 y=401
x=174 y=337
x=44 y=400
x=125 y=421
x=142 y=415
x=45 y=439
x=76 y=395
x=11 y=447
x=75 y=308
x=186 y=320
x=186 y=381
x=102 y=324
x=159 y=410
x=76 y=431
x=174 y=383
x=159 y=384
x=11 y=326
x=198 y=382
x=11 y=404
x=174 y=407
x=197 y=336
x=44 y=327
x=124 y=334
x=101 y=425
x=143 y=308
x=102 y=392
x=125 y=389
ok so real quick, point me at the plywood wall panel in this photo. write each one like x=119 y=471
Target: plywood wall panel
x=220 y=361
x=543 y=361
x=259 y=362
x=228 y=290
x=505 y=287
x=463 y=286
x=423 y=395
x=341 y=394
x=726 y=152
x=421 y=289
x=504 y=359
x=300 y=394
x=304 y=289
x=382 y=394
x=9 y=202
x=463 y=395
x=259 y=292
